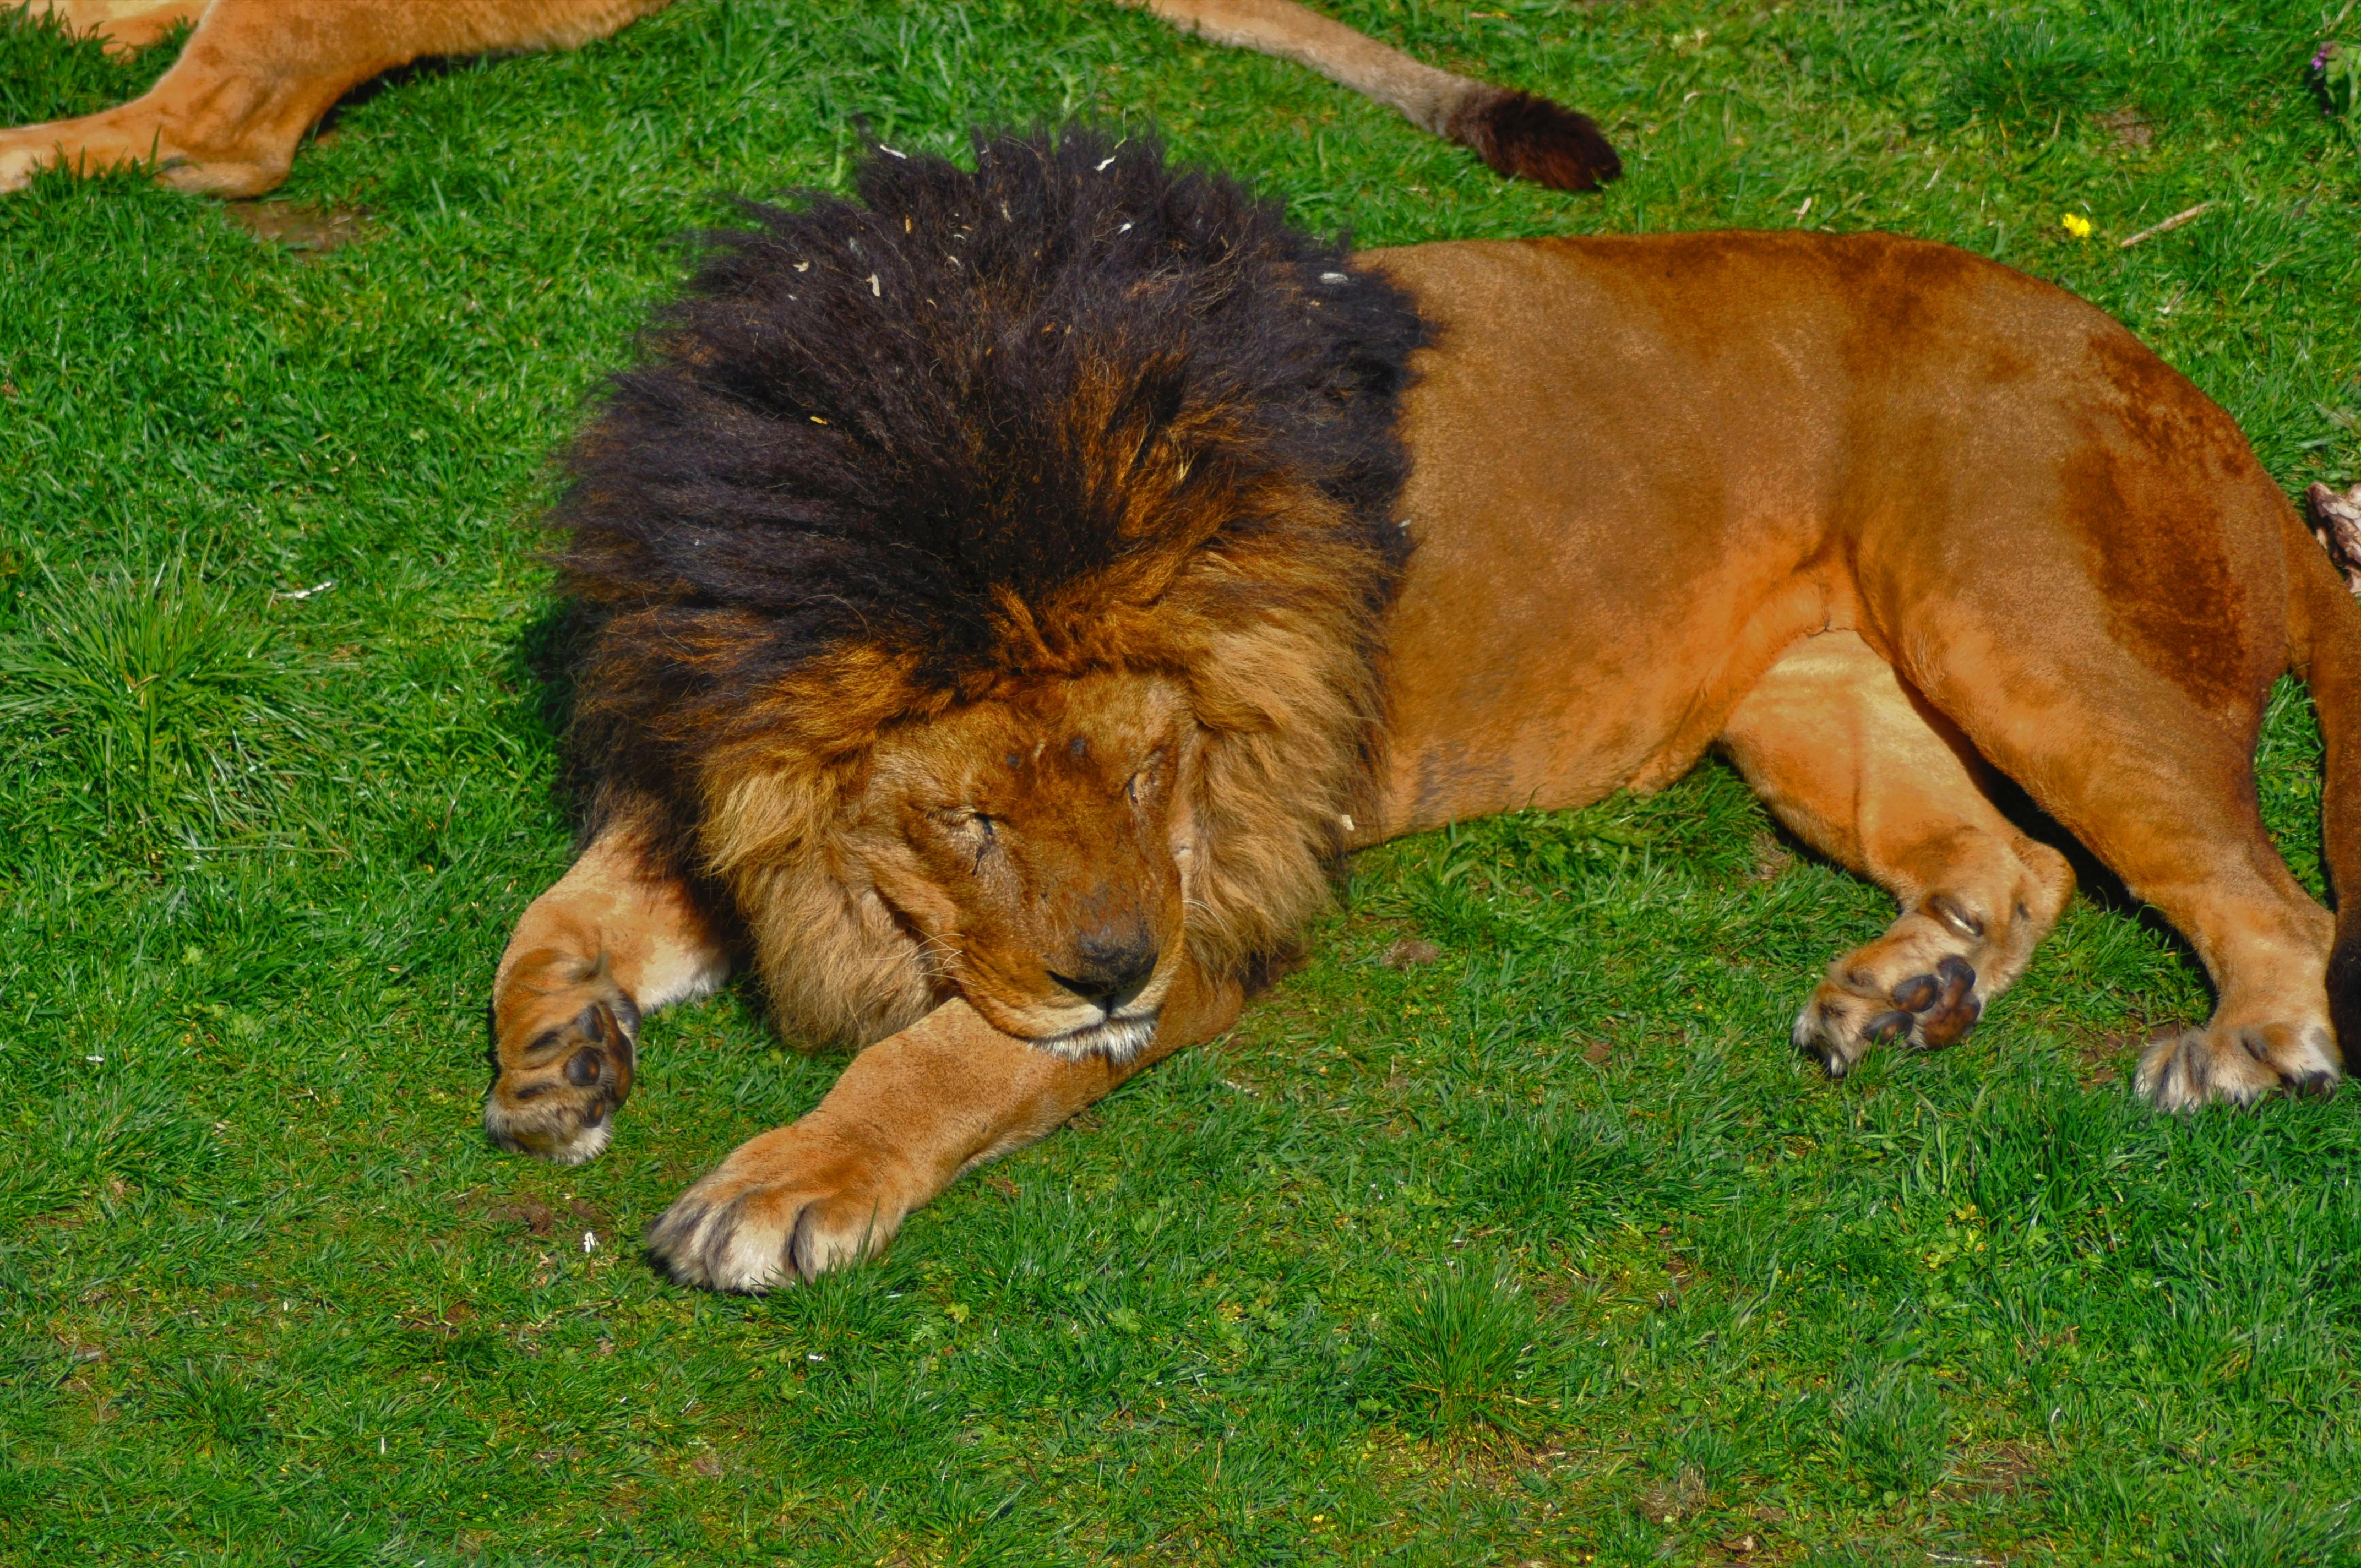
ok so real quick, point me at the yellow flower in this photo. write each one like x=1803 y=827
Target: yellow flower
x=2075 y=225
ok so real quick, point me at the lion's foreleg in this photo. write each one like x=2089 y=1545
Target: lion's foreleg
x=1518 y=134
x=257 y=74
x=613 y=940
x=909 y=1115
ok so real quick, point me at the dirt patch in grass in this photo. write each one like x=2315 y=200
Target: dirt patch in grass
x=1411 y=952
x=2106 y=1058
x=1669 y=1502
x=2127 y=127
x=535 y=1218
x=1771 y=858
x=294 y=227
x=2002 y=1467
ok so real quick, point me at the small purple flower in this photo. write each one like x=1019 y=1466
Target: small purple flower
x=2319 y=60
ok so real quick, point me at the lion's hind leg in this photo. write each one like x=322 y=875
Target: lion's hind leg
x=613 y=940
x=2161 y=788
x=1858 y=767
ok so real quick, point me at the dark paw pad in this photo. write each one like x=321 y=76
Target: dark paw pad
x=557 y=1097
x=1917 y=993
x=1943 y=1005
x=1888 y=1026
x=599 y=1046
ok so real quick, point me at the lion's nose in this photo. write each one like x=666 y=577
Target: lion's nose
x=1110 y=967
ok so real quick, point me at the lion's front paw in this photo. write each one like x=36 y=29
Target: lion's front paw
x=558 y=1099
x=2241 y=1064
x=786 y=1207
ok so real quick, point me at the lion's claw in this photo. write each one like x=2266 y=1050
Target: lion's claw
x=2183 y=1069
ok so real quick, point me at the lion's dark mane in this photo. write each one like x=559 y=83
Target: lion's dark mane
x=860 y=420
x=1076 y=407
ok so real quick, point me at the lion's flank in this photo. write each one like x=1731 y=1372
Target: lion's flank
x=1074 y=410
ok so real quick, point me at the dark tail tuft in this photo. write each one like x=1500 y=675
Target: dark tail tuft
x=1530 y=138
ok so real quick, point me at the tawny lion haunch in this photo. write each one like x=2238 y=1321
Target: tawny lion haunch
x=258 y=74
x=1006 y=596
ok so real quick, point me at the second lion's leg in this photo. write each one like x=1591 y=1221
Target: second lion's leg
x=616 y=939
x=1856 y=765
x=124 y=27
x=257 y=74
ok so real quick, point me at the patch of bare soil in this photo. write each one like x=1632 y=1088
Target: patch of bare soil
x=1771 y=858
x=2105 y=1059
x=2131 y=129
x=294 y=227
x=2004 y=1467
x=538 y=1219
x=1411 y=952
x=1669 y=1502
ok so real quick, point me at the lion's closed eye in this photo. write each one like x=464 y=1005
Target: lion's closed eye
x=975 y=829
x=1145 y=778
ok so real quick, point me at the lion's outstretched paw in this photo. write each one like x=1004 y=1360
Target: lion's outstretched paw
x=1849 y=1012
x=782 y=1209
x=558 y=1102
x=2240 y=1064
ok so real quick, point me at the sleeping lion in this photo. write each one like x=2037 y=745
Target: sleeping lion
x=1006 y=596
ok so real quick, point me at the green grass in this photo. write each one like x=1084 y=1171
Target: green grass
x=1547 y=1250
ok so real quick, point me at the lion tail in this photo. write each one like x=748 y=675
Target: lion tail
x=2324 y=647
x=1522 y=135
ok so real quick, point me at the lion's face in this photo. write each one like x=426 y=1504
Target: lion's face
x=1039 y=845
